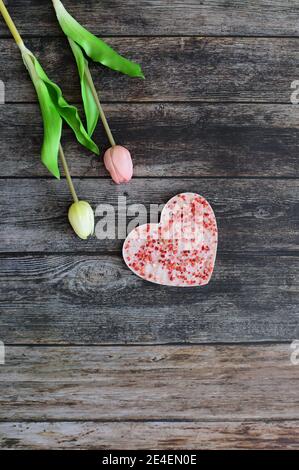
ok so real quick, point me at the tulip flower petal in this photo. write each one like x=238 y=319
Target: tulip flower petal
x=90 y=107
x=94 y=47
x=51 y=119
x=81 y=218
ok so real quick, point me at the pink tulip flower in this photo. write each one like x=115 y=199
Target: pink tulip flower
x=118 y=162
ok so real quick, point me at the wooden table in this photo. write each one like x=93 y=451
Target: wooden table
x=95 y=357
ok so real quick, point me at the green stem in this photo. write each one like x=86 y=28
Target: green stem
x=12 y=27
x=101 y=111
x=67 y=174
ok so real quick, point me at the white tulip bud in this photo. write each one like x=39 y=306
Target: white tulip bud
x=81 y=217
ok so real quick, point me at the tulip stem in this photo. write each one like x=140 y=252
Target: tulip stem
x=101 y=111
x=67 y=174
x=12 y=27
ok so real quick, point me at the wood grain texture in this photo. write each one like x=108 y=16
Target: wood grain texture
x=253 y=215
x=157 y=435
x=95 y=299
x=177 y=140
x=213 y=116
x=195 y=383
x=176 y=69
x=216 y=17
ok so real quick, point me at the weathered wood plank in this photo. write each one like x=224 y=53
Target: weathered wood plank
x=152 y=17
x=253 y=215
x=167 y=140
x=176 y=69
x=96 y=299
x=139 y=383
x=283 y=435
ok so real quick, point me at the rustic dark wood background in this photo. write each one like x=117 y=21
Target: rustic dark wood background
x=95 y=357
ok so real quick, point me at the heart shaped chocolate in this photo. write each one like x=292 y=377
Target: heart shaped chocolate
x=180 y=250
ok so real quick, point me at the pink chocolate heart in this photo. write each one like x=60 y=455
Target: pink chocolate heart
x=181 y=250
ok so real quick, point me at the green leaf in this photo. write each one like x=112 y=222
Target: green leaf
x=67 y=112
x=94 y=47
x=91 y=110
x=51 y=119
x=54 y=107
x=52 y=131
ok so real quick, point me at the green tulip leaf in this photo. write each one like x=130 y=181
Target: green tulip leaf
x=51 y=119
x=67 y=112
x=91 y=110
x=54 y=108
x=94 y=47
